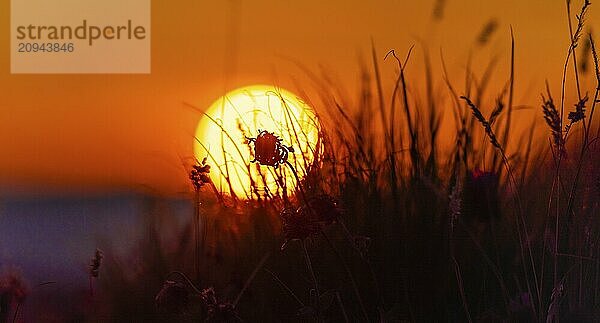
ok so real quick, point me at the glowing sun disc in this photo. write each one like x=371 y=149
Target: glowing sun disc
x=221 y=138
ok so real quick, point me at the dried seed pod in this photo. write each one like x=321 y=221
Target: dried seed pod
x=268 y=149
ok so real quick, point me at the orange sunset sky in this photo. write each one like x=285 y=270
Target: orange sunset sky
x=106 y=132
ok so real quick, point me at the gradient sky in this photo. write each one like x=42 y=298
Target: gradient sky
x=98 y=132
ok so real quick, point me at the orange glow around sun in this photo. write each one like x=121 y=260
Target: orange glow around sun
x=242 y=113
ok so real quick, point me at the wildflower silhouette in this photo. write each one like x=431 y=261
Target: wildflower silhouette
x=309 y=219
x=95 y=263
x=268 y=149
x=199 y=174
x=94 y=269
x=199 y=177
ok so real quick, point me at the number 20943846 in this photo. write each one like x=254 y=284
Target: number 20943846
x=45 y=47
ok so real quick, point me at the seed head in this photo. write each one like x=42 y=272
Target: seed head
x=268 y=149
x=553 y=121
x=199 y=174
x=309 y=219
x=486 y=125
x=95 y=263
x=297 y=226
x=455 y=203
x=579 y=112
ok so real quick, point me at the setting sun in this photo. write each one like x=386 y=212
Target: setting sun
x=221 y=137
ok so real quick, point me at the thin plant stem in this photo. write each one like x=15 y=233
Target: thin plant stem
x=348 y=236
x=341 y=305
x=314 y=278
x=16 y=312
x=299 y=185
x=20 y=303
x=286 y=287
x=331 y=245
x=91 y=281
x=461 y=288
x=510 y=90
x=350 y=276
x=197 y=224
x=524 y=242
x=584 y=148
x=187 y=280
x=568 y=2
x=260 y=264
x=310 y=268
